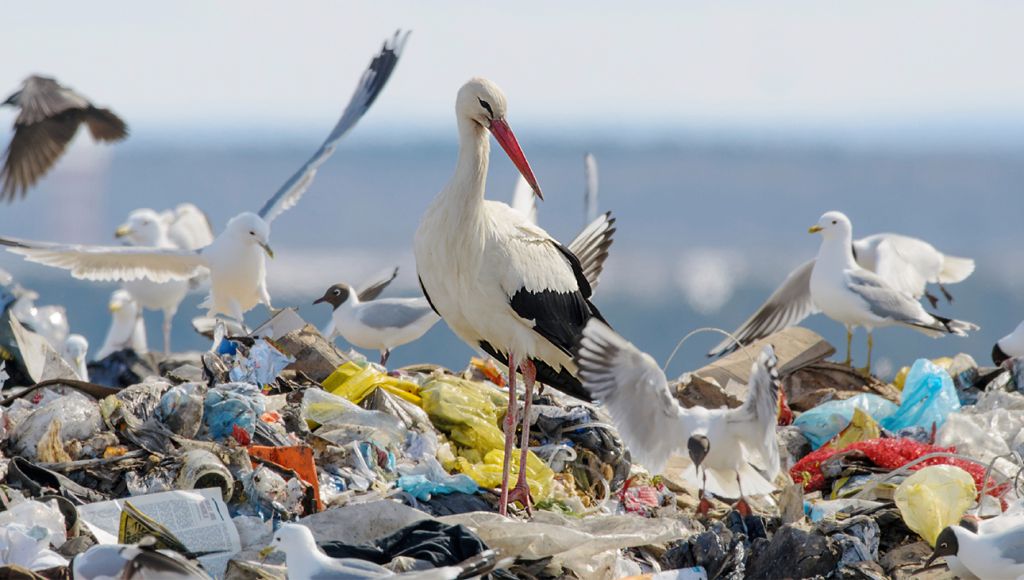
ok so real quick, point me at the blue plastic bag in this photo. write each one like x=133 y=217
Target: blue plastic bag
x=232 y=404
x=428 y=478
x=929 y=396
x=822 y=423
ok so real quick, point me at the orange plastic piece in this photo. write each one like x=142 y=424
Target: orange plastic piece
x=298 y=458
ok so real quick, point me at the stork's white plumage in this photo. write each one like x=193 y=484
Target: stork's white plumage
x=127 y=327
x=500 y=282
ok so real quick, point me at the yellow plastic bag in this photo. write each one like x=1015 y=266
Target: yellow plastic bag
x=470 y=413
x=861 y=428
x=935 y=497
x=356 y=381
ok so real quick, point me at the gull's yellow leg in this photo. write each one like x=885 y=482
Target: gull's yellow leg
x=866 y=371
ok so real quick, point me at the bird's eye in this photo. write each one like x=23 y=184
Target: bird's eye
x=336 y=291
x=251 y=233
x=834 y=222
x=487 y=106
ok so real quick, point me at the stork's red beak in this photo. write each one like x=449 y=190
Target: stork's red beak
x=504 y=136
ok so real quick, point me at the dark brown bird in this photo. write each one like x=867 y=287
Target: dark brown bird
x=49 y=118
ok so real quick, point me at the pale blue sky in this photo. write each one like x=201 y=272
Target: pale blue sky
x=790 y=65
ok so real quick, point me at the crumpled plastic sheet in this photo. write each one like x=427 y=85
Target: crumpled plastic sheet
x=933 y=498
x=181 y=409
x=888 y=454
x=992 y=428
x=586 y=546
x=232 y=405
x=27 y=530
x=263 y=365
x=78 y=416
x=429 y=477
x=820 y=424
x=341 y=421
x=356 y=381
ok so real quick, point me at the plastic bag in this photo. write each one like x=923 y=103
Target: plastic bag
x=470 y=413
x=823 y=422
x=262 y=366
x=78 y=417
x=928 y=398
x=429 y=478
x=232 y=407
x=933 y=498
x=355 y=381
x=329 y=413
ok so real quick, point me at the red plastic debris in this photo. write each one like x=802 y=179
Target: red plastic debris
x=785 y=413
x=241 y=435
x=889 y=454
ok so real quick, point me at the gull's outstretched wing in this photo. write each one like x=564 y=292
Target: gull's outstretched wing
x=49 y=118
x=189 y=227
x=634 y=391
x=591 y=246
x=755 y=420
x=111 y=262
x=590 y=193
x=523 y=199
x=788 y=305
x=370 y=86
x=374 y=289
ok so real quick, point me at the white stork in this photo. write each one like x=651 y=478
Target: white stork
x=500 y=282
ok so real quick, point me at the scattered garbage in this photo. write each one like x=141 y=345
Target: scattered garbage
x=199 y=458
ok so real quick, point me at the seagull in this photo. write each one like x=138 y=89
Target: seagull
x=908 y=264
x=49 y=118
x=501 y=283
x=854 y=296
x=736 y=448
x=992 y=556
x=184 y=228
x=591 y=245
x=75 y=351
x=1009 y=346
x=120 y=561
x=1001 y=523
x=127 y=327
x=236 y=258
x=306 y=561
x=381 y=324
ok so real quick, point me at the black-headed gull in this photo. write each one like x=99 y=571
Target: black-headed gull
x=994 y=555
x=736 y=448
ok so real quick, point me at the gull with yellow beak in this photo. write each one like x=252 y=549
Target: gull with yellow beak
x=75 y=349
x=235 y=259
x=127 y=327
x=854 y=296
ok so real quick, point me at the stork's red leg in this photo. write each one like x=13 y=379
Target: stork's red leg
x=510 y=434
x=521 y=492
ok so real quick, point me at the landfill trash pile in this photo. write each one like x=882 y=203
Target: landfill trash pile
x=203 y=462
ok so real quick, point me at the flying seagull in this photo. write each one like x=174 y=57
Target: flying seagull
x=186 y=228
x=49 y=118
x=236 y=258
x=381 y=324
x=732 y=451
x=908 y=264
x=501 y=283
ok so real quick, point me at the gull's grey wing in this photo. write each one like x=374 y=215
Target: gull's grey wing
x=389 y=314
x=788 y=305
x=591 y=247
x=907 y=264
x=886 y=301
x=1009 y=544
x=111 y=263
x=634 y=391
x=374 y=289
x=370 y=86
x=590 y=193
x=43 y=97
x=758 y=415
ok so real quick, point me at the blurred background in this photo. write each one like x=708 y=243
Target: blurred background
x=722 y=131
